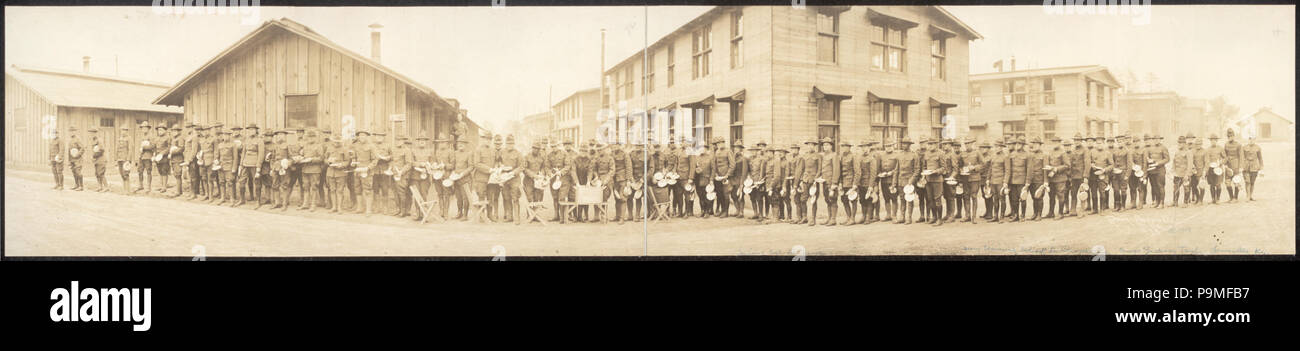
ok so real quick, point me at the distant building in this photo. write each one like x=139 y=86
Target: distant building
x=1193 y=118
x=533 y=127
x=1045 y=102
x=786 y=74
x=39 y=100
x=1268 y=125
x=286 y=75
x=575 y=116
x=1154 y=113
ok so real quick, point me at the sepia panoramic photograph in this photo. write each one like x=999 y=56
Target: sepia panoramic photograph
x=649 y=131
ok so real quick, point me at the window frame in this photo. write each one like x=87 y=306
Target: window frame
x=833 y=35
x=315 y=111
x=737 y=39
x=941 y=56
x=881 y=45
x=701 y=49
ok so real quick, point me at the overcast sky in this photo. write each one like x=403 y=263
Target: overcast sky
x=500 y=62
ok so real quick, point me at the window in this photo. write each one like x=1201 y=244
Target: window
x=737 y=133
x=1013 y=92
x=650 y=74
x=888 y=119
x=107 y=122
x=828 y=36
x=1049 y=92
x=628 y=87
x=300 y=111
x=975 y=100
x=889 y=48
x=701 y=47
x=1013 y=129
x=1049 y=129
x=671 y=64
x=936 y=120
x=828 y=111
x=703 y=125
x=737 y=45
x=1265 y=130
x=737 y=112
x=938 y=51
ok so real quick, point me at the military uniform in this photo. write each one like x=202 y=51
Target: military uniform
x=402 y=163
x=999 y=166
x=337 y=161
x=972 y=176
x=176 y=158
x=1215 y=155
x=906 y=173
x=122 y=153
x=886 y=177
x=1182 y=164
x=809 y=167
x=250 y=163
x=224 y=165
x=144 y=168
x=1101 y=161
x=1252 y=162
x=511 y=163
x=935 y=162
x=1136 y=185
x=846 y=177
x=98 y=160
x=56 y=162
x=1079 y=168
x=1157 y=157
x=423 y=168
x=757 y=174
x=311 y=162
x=74 y=162
x=1232 y=153
x=445 y=156
x=703 y=162
x=558 y=161
x=462 y=165
x=163 y=151
x=189 y=158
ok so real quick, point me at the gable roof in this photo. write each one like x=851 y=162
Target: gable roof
x=1051 y=71
x=76 y=89
x=1268 y=111
x=175 y=95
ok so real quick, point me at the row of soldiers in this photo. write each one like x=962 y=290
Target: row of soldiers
x=943 y=180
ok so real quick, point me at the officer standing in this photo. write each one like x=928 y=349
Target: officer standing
x=1137 y=158
x=493 y=188
x=403 y=161
x=907 y=173
x=808 y=173
x=224 y=166
x=98 y=160
x=1157 y=157
x=1102 y=162
x=723 y=163
x=511 y=162
x=757 y=172
x=382 y=174
x=1199 y=167
x=56 y=159
x=122 y=153
x=1215 y=155
x=703 y=162
x=485 y=160
x=463 y=165
x=775 y=175
x=1182 y=168
x=1079 y=167
x=637 y=167
x=971 y=175
x=736 y=173
x=188 y=167
x=934 y=168
x=558 y=161
x=1058 y=174
x=1233 y=154
x=75 y=150
x=250 y=164
x=1252 y=163
x=162 y=154
x=847 y=162
x=444 y=155
x=422 y=167
x=176 y=156
x=145 y=167
x=310 y=161
x=338 y=161
x=1119 y=174
x=888 y=186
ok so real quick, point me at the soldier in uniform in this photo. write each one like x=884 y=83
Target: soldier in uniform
x=936 y=163
x=144 y=169
x=1119 y=171
x=463 y=164
x=205 y=158
x=250 y=164
x=684 y=166
x=828 y=176
x=1199 y=167
x=534 y=169
x=1215 y=155
x=704 y=167
x=759 y=156
x=1017 y=178
x=558 y=162
x=811 y=168
x=423 y=166
x=75 y=151
x=1058 y=163
x=847 y=161
x=888 y=186
x=952 y=161
x=175 y=156
x=620 y=176
x=1157 y=157
x=794 y=184
x=493 y=188
x=602 y=170
x=338 y=161
x=279 y=173
x=363 y=152
x=266 y=189
x=1232 y=153
x=511 y=162
x=310 y=163
x=445 y=155
x=224 y=166
x=723 y=163
x=1252 y=162
x=1079 y=167
x=637 y=167
x=189 y=166
x=735 y=181
x=907 y=172
x=972 y=168
x=922 y=199
x=403 y=160
x=122 y=153
x=1136 y=187
x=868 y=167
x=98 y=160
x=999 y=165
x=1101 y=162
x=382 y=176
x=774 y=176
x=1182 y=167
x=162 y=151
x=56 y=159
x=485 y=160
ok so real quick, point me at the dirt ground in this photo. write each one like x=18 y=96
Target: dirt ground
x=44 y=222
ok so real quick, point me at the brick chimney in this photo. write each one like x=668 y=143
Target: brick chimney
x=374 y=40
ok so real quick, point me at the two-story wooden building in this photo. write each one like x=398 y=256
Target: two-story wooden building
x=1046 y=103
x=786 y=74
